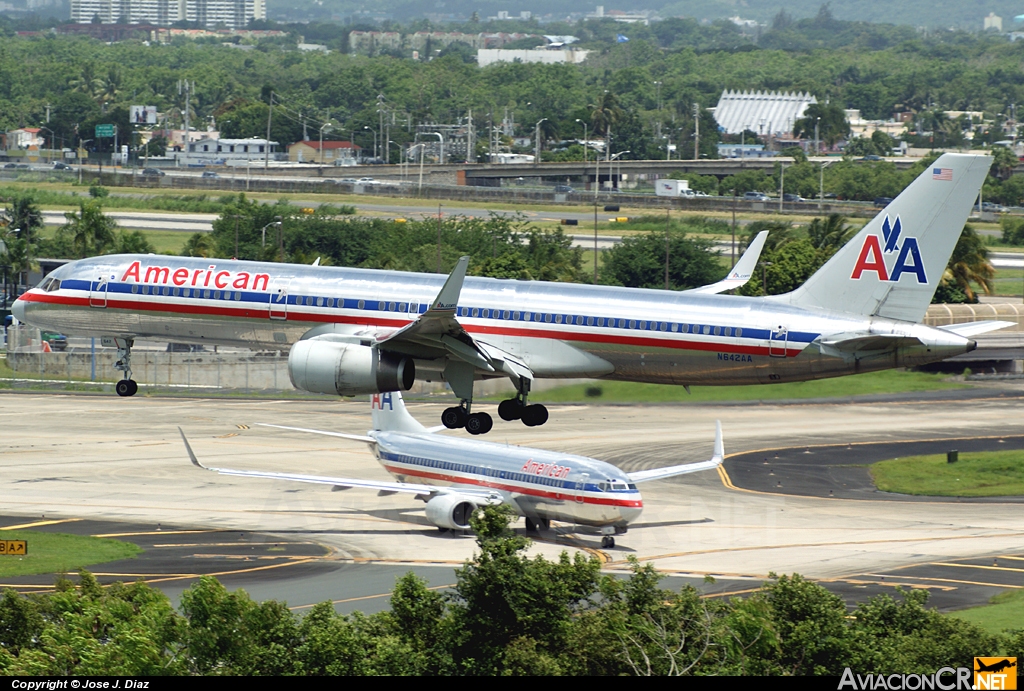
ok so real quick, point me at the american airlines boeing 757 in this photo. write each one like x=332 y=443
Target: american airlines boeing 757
x=358 y=331
x=456 y=476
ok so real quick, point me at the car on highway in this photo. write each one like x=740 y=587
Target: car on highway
x=57 y=341
x=348 y=181
x=209 y=174
x=871 y=157
x=756 y=197
x=563 y=189
x=61 y=166
x=24 y=166
x=185 y=348
x=883 y=201
x=366 y=181
x=153 y=172
x=993 y=208
x=790 y=197
x=10 y=165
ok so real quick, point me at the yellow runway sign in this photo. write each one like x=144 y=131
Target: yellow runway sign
x=14 y=548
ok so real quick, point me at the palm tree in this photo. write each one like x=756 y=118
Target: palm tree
x=606 y=113
x=829 y=234
x=969 y=264
x=23 y=214
x=90 y=231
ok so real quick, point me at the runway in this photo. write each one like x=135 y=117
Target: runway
x=101 y=458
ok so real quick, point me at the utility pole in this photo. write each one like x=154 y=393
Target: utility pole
x=438 y=238
x=266 y=158
x=696 y=131
x=733 y=245
x=595 y=239
x=668 y=225
x=188 y=88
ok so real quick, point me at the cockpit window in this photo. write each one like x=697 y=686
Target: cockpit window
x=49 y=284
x=619 y=486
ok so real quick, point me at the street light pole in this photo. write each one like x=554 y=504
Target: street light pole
x=440 y=138
x=325 y=125
x=536 y=147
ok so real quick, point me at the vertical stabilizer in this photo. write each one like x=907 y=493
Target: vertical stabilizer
x=892 y=267
x=390 y=415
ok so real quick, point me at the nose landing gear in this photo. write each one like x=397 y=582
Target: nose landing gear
x=127 y=386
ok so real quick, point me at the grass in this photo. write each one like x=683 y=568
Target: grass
x=61 y=553
x=894 y=381
x=1004 y=611
x=984 y=474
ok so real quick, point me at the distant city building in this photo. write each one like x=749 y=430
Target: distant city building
x=859 y=127
x=994 y=22
x=212 y=150
x=743 y=151
x=373 y=42
x=487 y=56
x=232 y=14
x=334 y=153
x=766 y=113
x=640 y=17
x=24 y=138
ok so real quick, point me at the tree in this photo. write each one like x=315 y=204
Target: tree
x=639 y=262
x=1004 y=161
x=830 y=119
x=88 y=231
x=606 y=114
x=969 y=264
x=829 y=234
x=23 y=214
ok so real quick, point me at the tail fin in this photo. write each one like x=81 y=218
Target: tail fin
x=389 y=414
x=892 y=267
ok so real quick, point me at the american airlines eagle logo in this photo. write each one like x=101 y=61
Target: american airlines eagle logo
x=873 y=255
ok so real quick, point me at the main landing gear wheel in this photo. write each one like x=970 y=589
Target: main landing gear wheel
x=510 y=409
x=607 y=542
x=479 y=423
x=534 y=415
x=126 y=387
x=454 y=417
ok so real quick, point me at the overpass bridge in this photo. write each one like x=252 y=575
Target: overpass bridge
x=491 y=174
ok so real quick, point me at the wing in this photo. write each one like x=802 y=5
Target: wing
x=740 y=273
x=969 y=329
x=438 y=334
x=673 y=470
x=336 y=482
x=353 y=437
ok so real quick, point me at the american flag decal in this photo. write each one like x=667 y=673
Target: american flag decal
x=942 y=174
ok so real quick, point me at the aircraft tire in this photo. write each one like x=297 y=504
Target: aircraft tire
x=124 y=387
x=531 y=526
x=134 y=387
x=479 y=423
x=453 y=418
x=608 y=542
x=510 y=409
x=535 y=415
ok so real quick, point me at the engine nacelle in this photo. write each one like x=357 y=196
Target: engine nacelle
x=348 y=369
x=450 y=511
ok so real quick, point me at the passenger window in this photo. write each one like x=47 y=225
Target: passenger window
x=515 y=316
x=675 y=328
x=505 y=314
x=590 y=321
x=558 y=319
x=718 y=331
x=135 y=288
x=476 y=312
x=739 y=332
x=360 y=305
x=547 y=318
x=707 y=329
x=319 y=302
x=632 y=323
x=380 y=306
x=402 y=307
x=391 y=307
x=206 y=294
x=238 y=295
x=486 y=313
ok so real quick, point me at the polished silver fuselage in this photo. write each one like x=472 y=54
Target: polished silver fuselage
x=557 y=329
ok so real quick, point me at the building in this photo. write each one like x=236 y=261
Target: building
x=212 y=151
x=489 y=56
x=333 y=153
x=766 y=113
x=25 y=138
x=994 y=22
x=232 y=14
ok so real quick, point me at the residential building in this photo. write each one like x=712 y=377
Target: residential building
x=994 y=22
x=24 y=138
x=232 y=14
x=333 y=153
x=489 y=56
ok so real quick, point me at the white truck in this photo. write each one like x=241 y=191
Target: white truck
x=673 y=188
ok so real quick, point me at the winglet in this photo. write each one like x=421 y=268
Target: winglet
x=743 y=270
x=191 y=454
x=448 y=299
x=719 y=443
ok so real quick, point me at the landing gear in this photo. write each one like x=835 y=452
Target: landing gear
x=517 y=409
x=607 y=542
x=127 y=386
x=479 y=423
x=459 y=416
x=537 y=525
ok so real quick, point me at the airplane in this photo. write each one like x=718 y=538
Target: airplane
x=362 y=331
x=456 y=476
x=994 y=667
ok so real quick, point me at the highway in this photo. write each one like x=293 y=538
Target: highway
x=122 y=460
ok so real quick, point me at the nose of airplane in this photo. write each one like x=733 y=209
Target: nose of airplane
x=18 y=310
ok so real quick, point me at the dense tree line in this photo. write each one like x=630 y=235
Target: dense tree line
x=507 y=614
x=656 y=78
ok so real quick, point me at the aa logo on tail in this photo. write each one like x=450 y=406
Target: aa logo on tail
x=872 y=255
x=379 y=400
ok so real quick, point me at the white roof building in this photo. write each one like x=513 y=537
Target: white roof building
x=763 y=112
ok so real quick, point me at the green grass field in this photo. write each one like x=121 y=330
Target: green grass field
x=61 y=553
x=1004 y=611
x=986 y=474
x=895 y=381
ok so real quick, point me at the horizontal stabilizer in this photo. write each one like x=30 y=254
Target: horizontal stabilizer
x=740 y=273
x=673 y=470
x=968 y=329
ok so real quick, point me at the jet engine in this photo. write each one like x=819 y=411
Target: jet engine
x=348 y=369
x=450 y=511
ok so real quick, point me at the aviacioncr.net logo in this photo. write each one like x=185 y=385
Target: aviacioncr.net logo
x=872 y=255
x=945 y=679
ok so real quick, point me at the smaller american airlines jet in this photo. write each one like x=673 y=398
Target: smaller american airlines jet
x=456 y=476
